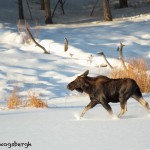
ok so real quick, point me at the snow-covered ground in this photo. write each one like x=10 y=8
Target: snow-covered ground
x=58 y=127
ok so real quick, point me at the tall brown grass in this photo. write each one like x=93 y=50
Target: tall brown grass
x=13 y=101
x=137 y=70
x=34 y=101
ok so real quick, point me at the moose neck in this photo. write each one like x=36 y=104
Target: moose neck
x=88 y=85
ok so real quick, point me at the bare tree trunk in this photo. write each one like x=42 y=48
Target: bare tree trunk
x=48 y=17
x=106 y=11
x=20 y=7
x=65 y=44
x=123 y=3
x=121 y=56
x=42 y=5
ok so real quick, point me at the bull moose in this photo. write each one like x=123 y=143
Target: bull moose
x=103 y=90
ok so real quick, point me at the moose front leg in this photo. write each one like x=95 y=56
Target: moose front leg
x=89 y=106
x=123 y=109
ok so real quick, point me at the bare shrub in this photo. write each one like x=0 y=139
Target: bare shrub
x=137 y=70
x=34 y=101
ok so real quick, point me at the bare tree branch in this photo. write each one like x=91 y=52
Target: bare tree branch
x=29 y=9
x=55 y=8
x=62 y=6
x=31 y=36
x=103 y=56
x=93 y=8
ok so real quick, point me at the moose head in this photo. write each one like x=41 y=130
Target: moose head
x=79 y=84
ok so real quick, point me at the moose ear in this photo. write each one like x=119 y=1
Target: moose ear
x=85 y=73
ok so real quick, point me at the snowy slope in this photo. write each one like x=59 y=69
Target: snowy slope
x=30 y=69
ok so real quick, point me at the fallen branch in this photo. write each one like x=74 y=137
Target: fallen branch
x=103 y=65
x=103 y=56
x=31 y=36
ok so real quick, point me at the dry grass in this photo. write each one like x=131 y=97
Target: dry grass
x=13 y=101
x=34 y=101
x=137 y=70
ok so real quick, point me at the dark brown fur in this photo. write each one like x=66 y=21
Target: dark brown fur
x=103 y=90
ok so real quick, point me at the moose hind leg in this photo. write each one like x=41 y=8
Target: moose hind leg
x=123 y=109
x=138 y=96
x=89 y=106
x=141 y=100
x=144 y=103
